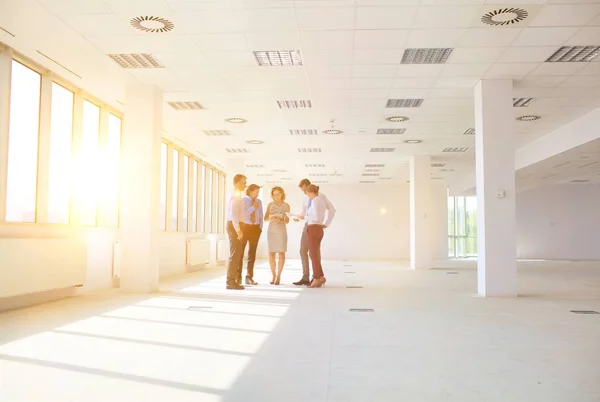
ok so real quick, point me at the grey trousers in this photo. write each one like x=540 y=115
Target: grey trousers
x=304 y=255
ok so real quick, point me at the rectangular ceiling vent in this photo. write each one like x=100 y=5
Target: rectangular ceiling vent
x=255 y=166
x=317 y=174
x=336 y=174
x=523 y=102
x=294 y=104
x=286 y=178
x=274 y=58
x=438 y=165
x=579 y=181
x=320 y=182
x=273 y=181
x=383 y=149
x=304 y=131
x=216 y=133
x=279 y=170
x=179 y=106
x=136 y=60
x=469 y=131
x=456 y=149
x=370 y=174
x=371 y=170
x=366 y=181
x=264 y=174
x=237 y=150
x=314 y=165
x=391 y=131
x=309 y=150
x=574 y=54
x=437 y=55
x=374 y=165
x=399 y=103
x=385 y=178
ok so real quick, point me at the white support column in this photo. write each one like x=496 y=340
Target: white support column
x=495 y=161
x=140 y=188
x=43 y=173
x=438 y=216
x=5 y=74
x=420 y=184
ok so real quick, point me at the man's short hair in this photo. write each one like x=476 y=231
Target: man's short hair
x=304 y=182
x=238 y=178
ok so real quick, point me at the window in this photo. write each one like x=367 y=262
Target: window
x=202 y=220
x=208 y=200
x=110 y=176
x=221 y=204
x=61 y=138
x=89 y=170
x=163 y=185
x=194 y=206
x=462 y=227
x=186 y=176
x=23 y=135
x=175 y=190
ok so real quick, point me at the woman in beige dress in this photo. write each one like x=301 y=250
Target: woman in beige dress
x=277 y=215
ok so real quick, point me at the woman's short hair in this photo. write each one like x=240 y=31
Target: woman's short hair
x=304 y=182
x=312 y=189
x=251 y=188
x=277 y=188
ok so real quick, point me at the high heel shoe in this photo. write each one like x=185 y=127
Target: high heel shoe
x=273 y=281
x=317 y=283
x=278 y=280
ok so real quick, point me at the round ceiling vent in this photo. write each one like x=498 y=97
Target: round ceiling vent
x=152 y=24
x=396 y=119
x=255 y=142
x=332 y=132
x=504 y=16
x=529 y=117
x=236 y=120
x=413 y=141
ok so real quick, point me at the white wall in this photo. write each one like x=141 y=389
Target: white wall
x=360 y=229
x=560 y=222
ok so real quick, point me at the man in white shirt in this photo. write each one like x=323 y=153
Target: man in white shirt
x=304 y=240
x=235 y=215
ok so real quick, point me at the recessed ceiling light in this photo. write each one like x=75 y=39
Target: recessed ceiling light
x=579 y=181
x=304 y=131
x=236 y=120
x=317 y=174
x=314 y=165
x=523 y=102
x=332 y=132
x=279 y=170
x=383 y=149
x=216 y=133
x=438 y=165
x=255 y=166
x=387 y=131
x=278 y=58
x=370 y=174
x=413 y=141
x=152 y=24
x=366 y=181
x=529 y=117
x=136 y=60
x=385 y=178
x=574 y=54
x=237 y=150
x=397 y=119
x=456 y=149
x=180 y=106
x=447 y=170
x=309 y=150
x=374 y=165
x=469 y=131
x=403 y=103
x=426 y=56
x=264 y=174
x=504 y=16
x=255 y=142
x=294 y=104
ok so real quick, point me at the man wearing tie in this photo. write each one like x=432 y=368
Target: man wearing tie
x=235 y=217
x=252 y=229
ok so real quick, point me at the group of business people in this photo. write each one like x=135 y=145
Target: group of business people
x=245 y=219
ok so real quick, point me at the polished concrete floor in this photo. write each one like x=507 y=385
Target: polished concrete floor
x=430 y=338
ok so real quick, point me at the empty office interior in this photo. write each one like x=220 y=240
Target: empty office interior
x=458 y=142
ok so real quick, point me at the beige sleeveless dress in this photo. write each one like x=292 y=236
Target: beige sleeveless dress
x=277 y=232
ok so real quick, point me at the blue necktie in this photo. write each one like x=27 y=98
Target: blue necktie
x=309 y=203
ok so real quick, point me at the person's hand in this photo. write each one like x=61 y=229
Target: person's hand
x=296 y=220
x=240 y=235
x=255 y=205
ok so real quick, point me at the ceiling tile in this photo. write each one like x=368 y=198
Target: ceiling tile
x=223 y=41
x=419 y=70
x=379 y=71
x=510 y=70
x=138 y=7
x=230 y=58
x=582 y=82
x=414 y=83
x=434 y=38
x=377 y=56
x=549 y=69
x=465 y=70
x=198 y=5
x=145 y=44
x=372 y=83
x=385 y=17
x=333 y=71
x=445 y=17
x=544 y=36
x=262 y=20
x=484 y=37
x=326 y=40
x=327 y=57
x=475 y=55
x=539 y=82
x=565 y=15
x=587 y=36
x=456 y=82
x=387 y=2
x=273 y=40
x=322 y=19
x=331 y=83
x=76 y=7
x=370 y=93
x=590 y=69
x=526 y=54
x=416 y=93
x=380 y=39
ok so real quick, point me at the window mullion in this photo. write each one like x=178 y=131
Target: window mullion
x=102 y=207
x=43 y=168
x=76 y=159
x=5 y=74
x=190 y=199
x=169 y=203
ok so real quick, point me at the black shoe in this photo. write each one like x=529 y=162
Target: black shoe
x=235 y=286
x=250 y=281
x=302 y=282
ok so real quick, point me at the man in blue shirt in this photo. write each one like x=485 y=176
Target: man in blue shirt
x=252 y=229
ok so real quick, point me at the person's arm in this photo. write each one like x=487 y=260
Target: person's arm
x=287 y=210
x=330 y=211
x=248 y=205
x=302 y=214
x=260 y=215
x=236 y=206
x=267 y=214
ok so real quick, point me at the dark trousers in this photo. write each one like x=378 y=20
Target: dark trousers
x=314 y=237
x=235 y=254
x=251 y=237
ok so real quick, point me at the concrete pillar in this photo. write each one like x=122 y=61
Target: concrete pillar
x=495 y=177
x=140 y=188
x=438 y=215
x=420 y=187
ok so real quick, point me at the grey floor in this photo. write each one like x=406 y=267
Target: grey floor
x=429 y=339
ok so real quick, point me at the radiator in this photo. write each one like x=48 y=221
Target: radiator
x=197 y=254
x=37 y=265
x=222 y=251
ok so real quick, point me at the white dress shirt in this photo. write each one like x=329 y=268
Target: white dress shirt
x=235 y=209
x=315 y=215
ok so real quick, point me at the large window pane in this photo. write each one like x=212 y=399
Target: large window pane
x=61 y=139
x=90 y=169
x=110 y=174
x=203 y=199
x=193 y=207
x=163 y=185
x=21 y=190
x=186 y=175
x=175 y=189
x=209 y=200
